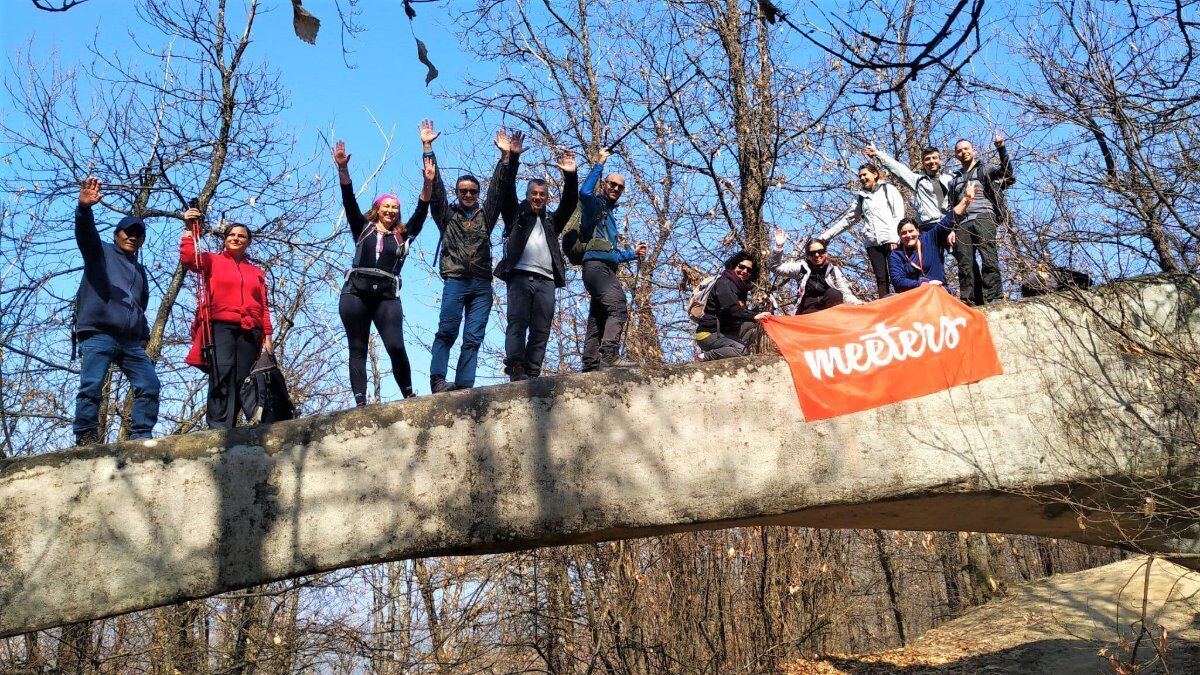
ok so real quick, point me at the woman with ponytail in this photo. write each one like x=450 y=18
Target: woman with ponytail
x=372 y=289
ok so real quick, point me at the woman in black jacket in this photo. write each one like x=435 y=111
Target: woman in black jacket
x=728 y=328
x=372 y=289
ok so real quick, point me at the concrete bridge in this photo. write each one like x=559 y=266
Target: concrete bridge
x=92 y=533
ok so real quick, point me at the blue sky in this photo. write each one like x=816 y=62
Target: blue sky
x=384 y=80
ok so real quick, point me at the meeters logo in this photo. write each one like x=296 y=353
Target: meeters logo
x=883 y=346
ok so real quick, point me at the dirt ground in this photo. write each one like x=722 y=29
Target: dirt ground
x=1066 y=624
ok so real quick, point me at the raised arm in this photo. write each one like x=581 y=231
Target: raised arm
x=511 y=146
x=591 y=203
x=570 y=191
x=792 y=269
x=438 y=205
x=851 y=216
x=417 y=221
x=894 y=167
x=1004 y=170
x=354 y=215
x=88 y=238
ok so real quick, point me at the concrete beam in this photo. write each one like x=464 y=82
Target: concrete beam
x=92 y=533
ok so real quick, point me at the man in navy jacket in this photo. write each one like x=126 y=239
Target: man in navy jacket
x=110 y=320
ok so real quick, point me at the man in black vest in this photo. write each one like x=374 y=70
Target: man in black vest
x=976 y=231
x=533 y=267
x=110 y=320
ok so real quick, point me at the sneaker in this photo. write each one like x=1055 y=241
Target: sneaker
x=617 y=363
x=409 y=393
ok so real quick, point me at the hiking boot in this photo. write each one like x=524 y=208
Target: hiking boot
x=439 y=385
x=408 y=393
x=87 y=438
x=516 y=372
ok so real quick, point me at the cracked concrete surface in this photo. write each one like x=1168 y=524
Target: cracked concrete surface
x=587 y=457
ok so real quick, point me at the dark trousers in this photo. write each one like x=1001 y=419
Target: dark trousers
x=978 y=282
x=530 y=313
x=465 y=302
x=721 y=346
x=814 y=303
x=358 y=312
x=234 y=352
x=878 y=255
x=607 y=313
x=96 y=353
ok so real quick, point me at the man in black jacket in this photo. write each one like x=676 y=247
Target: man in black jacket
x=110 y=320
x=533 y=266
x=466 y=259
x=976 y=232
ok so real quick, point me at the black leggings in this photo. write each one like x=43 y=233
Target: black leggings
x=357 y=313
x=235 y=350
x=878 y=255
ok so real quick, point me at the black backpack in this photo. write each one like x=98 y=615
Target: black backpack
x=264 y=392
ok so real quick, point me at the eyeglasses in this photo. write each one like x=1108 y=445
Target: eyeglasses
x=748 y=268
x=467 y=191
x=819 y=251
x=617 y=186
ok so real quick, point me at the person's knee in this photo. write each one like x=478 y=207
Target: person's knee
x=447 y=333
x=149 y=387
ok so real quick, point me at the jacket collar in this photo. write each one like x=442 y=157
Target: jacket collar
x=459 y=207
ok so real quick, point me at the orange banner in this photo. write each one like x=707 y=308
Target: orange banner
x=857 y=357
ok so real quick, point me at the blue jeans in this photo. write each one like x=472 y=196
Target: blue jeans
x=461 y=298
x=96 y=352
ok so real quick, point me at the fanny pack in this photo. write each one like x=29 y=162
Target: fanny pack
x=371 y=281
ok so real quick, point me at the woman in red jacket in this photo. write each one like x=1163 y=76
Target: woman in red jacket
x=236 y=303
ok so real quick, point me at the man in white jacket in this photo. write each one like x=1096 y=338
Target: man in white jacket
x=879 y=206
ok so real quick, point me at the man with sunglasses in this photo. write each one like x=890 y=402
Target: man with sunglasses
x=822 y=284
x=465 y=259
x=608 y=311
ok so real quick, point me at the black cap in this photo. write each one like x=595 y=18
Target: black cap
x=132 y=225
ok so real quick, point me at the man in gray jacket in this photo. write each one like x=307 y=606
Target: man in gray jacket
x=931 y=187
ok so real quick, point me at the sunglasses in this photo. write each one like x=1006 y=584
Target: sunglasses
x=618 y=186
x=748 y=268
x=467 y=191
x=819 y=251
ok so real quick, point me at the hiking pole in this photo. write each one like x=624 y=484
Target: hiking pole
x=208 y=348
x=612 y=146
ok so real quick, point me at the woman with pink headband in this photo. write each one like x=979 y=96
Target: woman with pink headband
x=372 y=289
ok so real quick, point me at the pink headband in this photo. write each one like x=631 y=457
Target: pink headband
x=382 y=197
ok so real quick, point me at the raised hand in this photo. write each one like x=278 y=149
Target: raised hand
x=604 y=155
x=429 y=170
x=428 y=135
x=566 y=161
x=780 y=238
x=999 y=139
x=641 y=249
x=516 y=142
x=89 y=192
x=871 y=150
x=192 y=215
x=502 y=141
x=340 y=157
